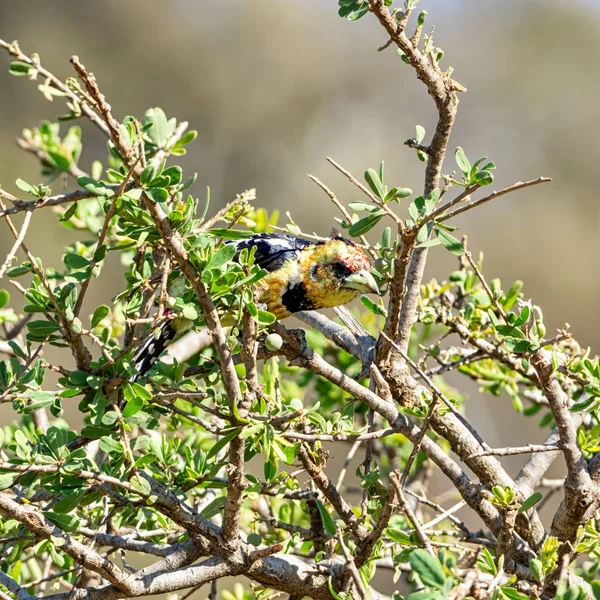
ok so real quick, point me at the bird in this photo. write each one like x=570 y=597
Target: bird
x=301 y=275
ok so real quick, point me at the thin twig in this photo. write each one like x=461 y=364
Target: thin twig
x=246 y=196
x=411 y=515
x=513 y=188
x=442 y=209
x=512 y=450
x=374 y=199
x=17 y=244
x=360 y=588
x=485 y=285
x=343 y=210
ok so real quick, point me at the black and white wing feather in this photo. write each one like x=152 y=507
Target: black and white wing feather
x=273 y=250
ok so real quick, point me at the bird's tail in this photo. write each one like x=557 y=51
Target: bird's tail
x=151 y=348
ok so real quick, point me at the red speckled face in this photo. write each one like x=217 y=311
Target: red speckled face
x=356 y=259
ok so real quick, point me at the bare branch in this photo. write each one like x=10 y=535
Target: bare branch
x=360 y=588
x=512 y=450
x=513 y=188
x=21 y=205
x=15 y=247
x=411 y=515
x=83 y=555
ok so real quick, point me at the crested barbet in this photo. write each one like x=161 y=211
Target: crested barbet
x=301 y=275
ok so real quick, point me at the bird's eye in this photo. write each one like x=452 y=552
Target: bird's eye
x=340 y=269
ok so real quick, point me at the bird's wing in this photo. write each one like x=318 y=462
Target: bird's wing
x=273 y=250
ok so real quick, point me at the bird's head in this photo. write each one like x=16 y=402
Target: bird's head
x=337 y=271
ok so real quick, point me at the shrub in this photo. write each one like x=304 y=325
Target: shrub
x=165 y=464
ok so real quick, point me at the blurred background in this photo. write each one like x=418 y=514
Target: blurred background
x=273 y=87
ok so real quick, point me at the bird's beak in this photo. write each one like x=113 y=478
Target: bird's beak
x=362 y=281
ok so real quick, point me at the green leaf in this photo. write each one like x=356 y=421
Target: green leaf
x=510 y=331
x=450 y=242
x=432 y=200
x=265 y=318
x=143 y=461
x=139 y=391
x=530 y=502
x=148 y=174
x=189 y=312
x=48 y=90
x=536 y=566
x=186 y=138
x=215 y=448
x=133 y=407
x=353 y=10
x=461 y=160
x=95 y=432
x=157 y=194
x=375 y=183
x=159 y=133
x=43 y=328
x=420 y=134
x=398 y=536
x=398 y=193
x=19 y=68
x=230 y=234
x=362 y=206
x=375 y=308
x=4 y=298
x=141 y=485
x=523 y=317
x=482 y=178
x=69 y=502
x=99 y=314
x=65 y=522
x=270 y=466
x=188 y=182
x=69 y=212
x=222 y=256
x=20 y=270
x=328 y=523
x=365 y=224
x=108 y=445
x=174 y=174
x=38 y=401
x=59 y=160
x=75 y=261
x=26 y=187
x=428 y=568
x=93 y=186
x=583 y=404
x=7 y=479
x=429 y=243
x=386 y=237
x=513 y=594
